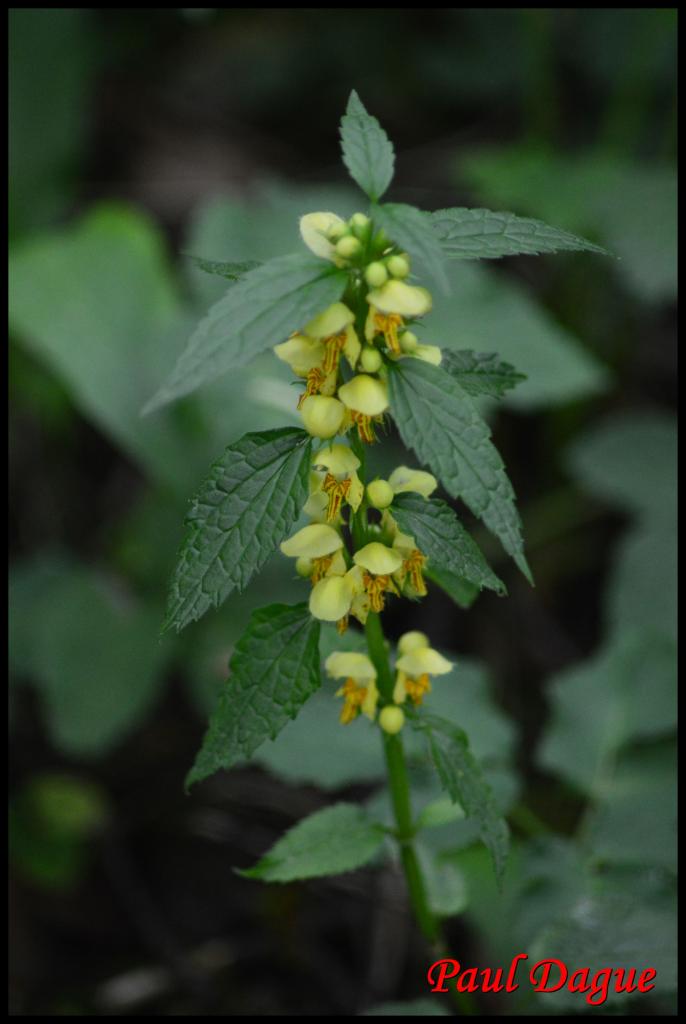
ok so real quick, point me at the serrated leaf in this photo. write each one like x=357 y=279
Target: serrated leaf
x=480 y=373
x=232 y=270
x=468 y=234
x=274 y=669
x=461 y=776
x=367 y=150
x=462 y=593
x=329 y=842
x=246 y=507
x=411 y=229
x=262 y=309
x=439 y=421
x=443 y=539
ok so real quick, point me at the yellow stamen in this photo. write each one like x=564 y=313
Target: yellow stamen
x=320 y=567
x=388 y=324
x=353 y=698
x=375 y=587
x=414 y=565
x=315 y=380
x=364 y=426
x=337 y=491
x=334 y=345
x=416 y=688
x=342 y=625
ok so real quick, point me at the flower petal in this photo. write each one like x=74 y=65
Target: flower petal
x=378 y=559
x=313 y=541
x=331 y=598
x=424 y=661
x=397 y=297
x=313 y=230
x=350 y=664
x=365 y=394
x=405 y=479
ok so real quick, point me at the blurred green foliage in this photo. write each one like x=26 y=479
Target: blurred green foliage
x=99 y=311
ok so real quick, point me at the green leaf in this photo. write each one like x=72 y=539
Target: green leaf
x=274 y=669
x=462 y=778
x=411 y=229
x=89 y=648
x=439 y=421
x=246 y=507
x=232 y=270
x=267 y=305
x=480 y=373
x=443 y=539
x=486 y=234
x=329 y=842
x=413 y=1008
x=625 y=693
x=367 y=150
x=458 y=590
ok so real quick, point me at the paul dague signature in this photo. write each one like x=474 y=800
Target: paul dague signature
x=545 y=976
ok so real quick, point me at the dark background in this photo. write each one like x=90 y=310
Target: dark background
x=140 y=135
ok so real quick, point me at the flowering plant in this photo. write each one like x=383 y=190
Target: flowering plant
x=346 y=316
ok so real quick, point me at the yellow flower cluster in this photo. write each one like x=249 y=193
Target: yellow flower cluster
x=345 y=389
x=330 y=404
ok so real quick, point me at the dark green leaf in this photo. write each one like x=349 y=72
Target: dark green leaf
x=462 y=593
x=367 y=150
x=437 y=419
x=261 y=310
x=246 y=507
x=480 y=373
x=232 y=271
x=274 y=669
x=331 y=841
x=411 y=229
x=488 y=234
x=462 y=778
x=443 y=539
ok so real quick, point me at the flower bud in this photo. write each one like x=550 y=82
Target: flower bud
x=409 y=342
x=398 y=266
x=379 y=494
x=336 y=231
x=371 y=359
x=303 y=567
x=348 y=247
x=376 y=274
x=412 y=641
x=359 y=221
x=315 y=228
x=391 y=719
x=322 y=416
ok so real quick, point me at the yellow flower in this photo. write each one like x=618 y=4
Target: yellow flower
x=390 y=306
x=312 y=541
x=315 y=229
x=428 y=353
x=418 y=662
x=359 y=689
x=366 y=398
x=334 y=330
x=341 y=483
x=378 y=562
x=331 y=599
x=322 y=416
x=301 y=353
x=405 y=479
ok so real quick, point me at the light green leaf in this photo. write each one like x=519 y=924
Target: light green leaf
x=462 y=778
x=446 y=887
x=367 y=150
x=480 y=373
x=274 y=669
x=443 y=539
x=89 y=650
x=267 y=305
x=232 y=270
x=468 y=234
x=246 y=507
x=625 y=693
x=643 y=588
x=437 y=419
x=411 y=229
x=329 y=842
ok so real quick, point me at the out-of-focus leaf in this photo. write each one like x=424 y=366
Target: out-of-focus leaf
x=445 y=883
x=93 y=654
x=274 y=670
x=412 y=1008
x=467 y=234
x=487 y=313
x=367 y=150
x=232 y=270
x=624 y=919
x=440 y=423
x=332 y=841
x=627 y=692
x=630 y=206
x=642 y=591
x=246 y=507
